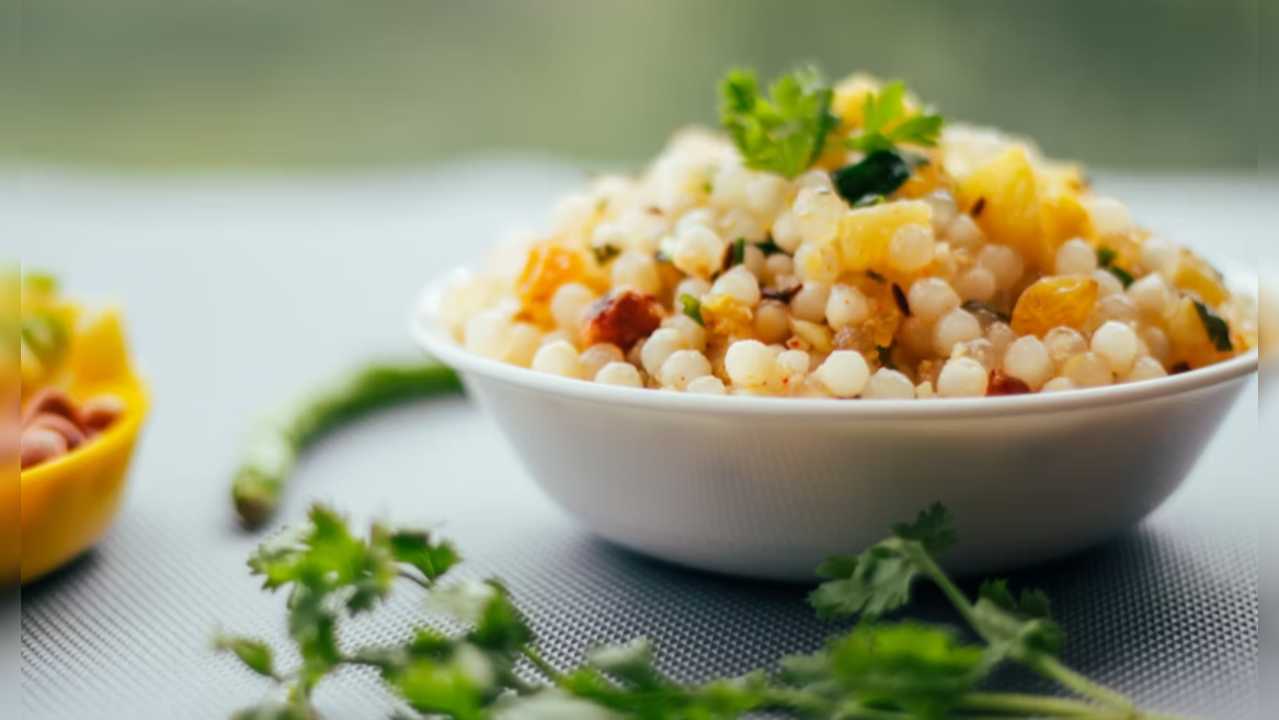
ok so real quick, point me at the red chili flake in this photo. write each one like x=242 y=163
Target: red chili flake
x=900 y=296
x=622 y=319
x=1002 y=384
x=978 y=207
x=1181 y=367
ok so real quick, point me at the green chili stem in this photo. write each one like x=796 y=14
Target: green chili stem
x=272 y=454
x=536 y=660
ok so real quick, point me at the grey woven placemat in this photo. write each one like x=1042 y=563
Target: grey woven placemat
x=239 y=293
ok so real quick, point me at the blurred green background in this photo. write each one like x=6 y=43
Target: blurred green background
x=311 y=84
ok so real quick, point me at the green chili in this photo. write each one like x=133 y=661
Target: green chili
x=273 y=452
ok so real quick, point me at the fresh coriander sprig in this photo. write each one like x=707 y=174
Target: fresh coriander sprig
x=887 y=122
x=782 y=134
x=878 y=671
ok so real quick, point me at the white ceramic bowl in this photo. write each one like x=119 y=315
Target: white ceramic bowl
x=769 y=487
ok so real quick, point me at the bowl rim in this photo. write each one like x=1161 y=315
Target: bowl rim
x=435 y=340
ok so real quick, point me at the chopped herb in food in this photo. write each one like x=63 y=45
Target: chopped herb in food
x=739 y=252
x=770 y=248
x=1124 y=276
x=978 y=308
x=878 y=175
x=899 y=296
x=783 y=134
x=692 y=308
x=876 y=670
x=1106 y=258
x=887 y=122
x=605 y=253
x=1218 y=329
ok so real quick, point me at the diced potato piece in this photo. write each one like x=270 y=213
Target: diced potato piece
x=865 y=234
x=548 y=267
x=725 y=315
x=1065 y=217
x=1003 y=197
x=1190 y=339
x=1196 y=276
x=1055 y=302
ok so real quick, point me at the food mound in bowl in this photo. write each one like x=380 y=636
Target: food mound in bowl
x=846 y=242
x=51 y=423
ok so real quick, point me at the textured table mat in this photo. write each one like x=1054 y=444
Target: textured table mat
x=239 y=292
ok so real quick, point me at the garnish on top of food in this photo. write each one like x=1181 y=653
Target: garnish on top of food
x=52 y=421
x=847 y=242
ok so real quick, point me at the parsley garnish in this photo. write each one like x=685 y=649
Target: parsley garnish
x=1218 y=329
x=877 y=175
x=1106 y=259
x=784 y=134
x=606 y=252
x=770 y=248
x=877 y=671
x=1124 y=276
x=692 y=308
x=887 y=123
x=739 y=252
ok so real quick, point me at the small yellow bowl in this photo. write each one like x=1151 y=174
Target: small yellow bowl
x=67 y=505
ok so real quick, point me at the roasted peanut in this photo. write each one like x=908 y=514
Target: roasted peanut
x=622 y=319
x=40 y=445
x=51 y=401
x=74 y=436
x=100 y=413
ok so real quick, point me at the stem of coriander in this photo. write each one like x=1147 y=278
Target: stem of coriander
x=1052 y=669
x=421 y=582
x=1044 y=665
x=925 y=562
x=535 y=658
x=1027 y=704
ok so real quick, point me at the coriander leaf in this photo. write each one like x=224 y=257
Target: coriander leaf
x=785 y=134
x=500 y=627
x=836 y=568
x=277 y=711
x=605 y=253
x=632 y=663
x=40 y=283
x=1124 y=276
x=879 y=174
x=551 y=705
x=886 y=122
x=46 y=337
x=279 y=558
x=1106 y=257
x=1024 y=627
x=692 y=308
x=923 y=669
x=255 y=654
x=770 y=248
x=879 y=584
x=932 y=529
x=739 y=252
x=417 y=548
x=457 y=687
x=1218 y=329
x=314 y=629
